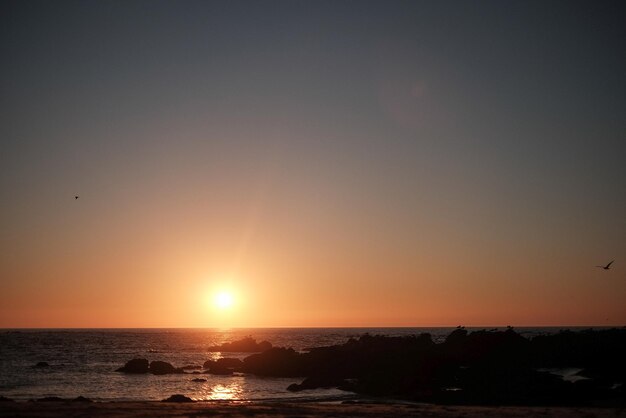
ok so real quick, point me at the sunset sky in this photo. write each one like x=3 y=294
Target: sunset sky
x=325 y=163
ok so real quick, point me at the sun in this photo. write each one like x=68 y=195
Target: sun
x=223 y=300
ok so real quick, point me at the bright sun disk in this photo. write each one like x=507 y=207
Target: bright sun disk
x=223 y=300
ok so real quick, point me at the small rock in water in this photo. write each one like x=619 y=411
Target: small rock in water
x=178 y=398
x=223 y=366
x=161 y=367
x=198 y=380
x=315 y=383
x=81 y=399
x=294 y=387
x=41 y=365
x=229 y=363
x=245 y=345
x=135 y=366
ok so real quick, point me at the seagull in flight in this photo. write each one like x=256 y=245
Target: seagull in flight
x=607 y=267
x=76 y=197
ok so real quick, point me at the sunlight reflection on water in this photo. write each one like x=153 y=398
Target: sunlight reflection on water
x=220 y=392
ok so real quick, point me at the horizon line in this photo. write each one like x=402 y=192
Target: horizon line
x=310 y=327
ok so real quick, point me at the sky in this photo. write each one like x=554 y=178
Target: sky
x=326 y=163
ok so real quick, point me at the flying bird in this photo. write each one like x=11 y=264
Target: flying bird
x=607 y=267
x=76 y=197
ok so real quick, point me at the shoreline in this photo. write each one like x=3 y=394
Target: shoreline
x=363 y=409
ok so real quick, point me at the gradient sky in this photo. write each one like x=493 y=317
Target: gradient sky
x=331 y=163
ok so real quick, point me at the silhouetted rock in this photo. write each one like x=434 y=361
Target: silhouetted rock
x=51 y=399
x=316 y=382
x=135 y=366
x=198 y=380
x=245 y=345
x=481 y=367
x=457 y=336
x=178 y=398
x=41 y=365
x=230 y=363
x=588 y=349
x=501 y=347
x=264 y=346
x=161 y=367
x=5 y=399
x=279 y=362
x=223 y=366
x=81 y=399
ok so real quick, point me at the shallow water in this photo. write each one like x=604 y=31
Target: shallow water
x=83 y=362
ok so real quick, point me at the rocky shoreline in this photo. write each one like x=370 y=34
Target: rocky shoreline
x=488 y=367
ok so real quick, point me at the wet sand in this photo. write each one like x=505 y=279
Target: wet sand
x=301 y=410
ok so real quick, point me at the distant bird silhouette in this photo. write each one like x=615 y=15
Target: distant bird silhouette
x=607 y=267
x=76 y=197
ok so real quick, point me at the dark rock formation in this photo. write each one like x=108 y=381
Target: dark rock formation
x=81 y=399
x=481 y=367
x=41 y=365
x=245 y=345
x=598 y=352
x=178 y=398
x=135 y=366
x=283 y=362
x=230 y=363
x=140 y=366
x=316 y=383
x=58 y=399
x=5 y=399
x=223 y=366
x=198 y=380
x=162 y=367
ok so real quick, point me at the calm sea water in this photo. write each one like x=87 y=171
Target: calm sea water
x=83 y=362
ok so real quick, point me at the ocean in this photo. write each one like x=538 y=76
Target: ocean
x=83 y=361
